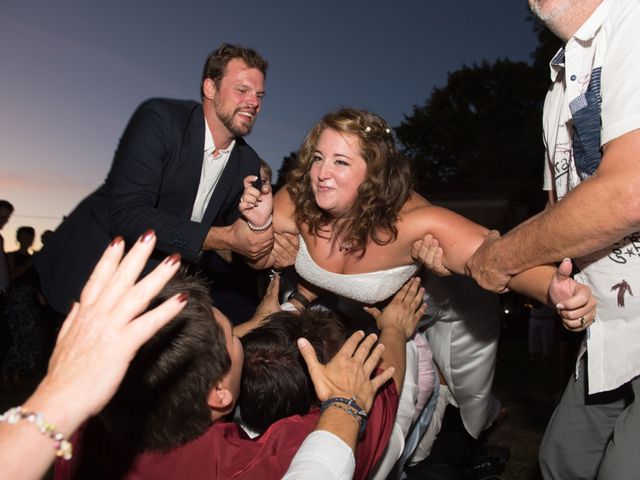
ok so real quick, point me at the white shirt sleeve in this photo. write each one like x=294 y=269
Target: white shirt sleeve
x=322 y=456
x=621 y=72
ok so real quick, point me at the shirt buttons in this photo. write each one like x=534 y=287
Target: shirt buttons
x=573 y=78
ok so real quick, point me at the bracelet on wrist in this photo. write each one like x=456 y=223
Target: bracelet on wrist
x=350 y=407
x=64 y=449
x=349 y=402
x=297 y=295
x=261 y=228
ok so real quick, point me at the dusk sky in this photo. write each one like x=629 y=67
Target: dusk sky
x=72 y=72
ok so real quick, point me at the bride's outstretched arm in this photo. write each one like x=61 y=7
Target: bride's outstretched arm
x=459 y=237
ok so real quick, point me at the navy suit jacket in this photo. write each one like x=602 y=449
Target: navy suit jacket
x=152 y=183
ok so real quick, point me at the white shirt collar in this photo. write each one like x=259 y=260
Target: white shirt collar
x=584 y=34
x=209 y=145
x=589 y=28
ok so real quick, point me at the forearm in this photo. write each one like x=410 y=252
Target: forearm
x=394 y=355
x=534 y=282
x=595 y=214
x=217 y=238
x=25 y=453
x=341 y=424
x=244 y=328
x=174 y=235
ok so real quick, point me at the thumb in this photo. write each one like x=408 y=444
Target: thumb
x=248 y=180
x=309 y=355
x=565 y=268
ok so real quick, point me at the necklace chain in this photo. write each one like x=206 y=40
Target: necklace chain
x=342 y=246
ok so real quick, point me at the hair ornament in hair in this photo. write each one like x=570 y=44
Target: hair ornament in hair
x=367 y=129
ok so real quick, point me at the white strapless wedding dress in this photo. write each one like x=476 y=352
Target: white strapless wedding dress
x=367 y=288
x=462 y=324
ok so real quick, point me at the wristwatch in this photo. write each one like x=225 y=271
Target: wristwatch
x=296 y=295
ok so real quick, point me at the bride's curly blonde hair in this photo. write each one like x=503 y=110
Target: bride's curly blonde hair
x=385 y=189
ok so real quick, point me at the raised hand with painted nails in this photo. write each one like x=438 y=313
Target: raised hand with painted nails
x=98 y=340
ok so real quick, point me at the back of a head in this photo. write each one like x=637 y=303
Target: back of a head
x=275 y=380
x=162 y=402
x=6 y=205
x=6 y=209
x=25 y=236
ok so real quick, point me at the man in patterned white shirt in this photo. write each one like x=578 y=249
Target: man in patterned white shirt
x=592 y=137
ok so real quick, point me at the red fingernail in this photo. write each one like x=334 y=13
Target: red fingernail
x=183 y=297
x=171 y=260
x=115 y=241
x=147 y=236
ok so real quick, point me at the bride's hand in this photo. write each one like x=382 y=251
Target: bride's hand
x=574 y=301
x=256 y=205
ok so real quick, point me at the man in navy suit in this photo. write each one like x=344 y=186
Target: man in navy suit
x=180 y=170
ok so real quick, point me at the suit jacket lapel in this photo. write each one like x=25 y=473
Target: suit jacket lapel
x=194 y=152
x=223 y=188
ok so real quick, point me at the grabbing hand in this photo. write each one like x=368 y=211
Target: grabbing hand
x=256 y=205
x=348 y=374
x=103 y=332
x=428 y=251
x=285 y=249
x=482 y=265
x=574 y=302
x=249 y=243
x=405 y=309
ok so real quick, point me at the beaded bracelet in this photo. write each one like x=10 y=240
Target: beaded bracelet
x=261 y=228
x=352 y=408
x=12 y=416
x=349 y=402
x=297 y=295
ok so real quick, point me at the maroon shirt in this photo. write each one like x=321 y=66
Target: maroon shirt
x=224 y=451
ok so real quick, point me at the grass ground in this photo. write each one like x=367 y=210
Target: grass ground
x=530 y=391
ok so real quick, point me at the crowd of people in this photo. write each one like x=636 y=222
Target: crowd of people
x=384 y=315
x=25 y=337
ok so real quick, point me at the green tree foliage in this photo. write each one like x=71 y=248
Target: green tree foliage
x=482 y=129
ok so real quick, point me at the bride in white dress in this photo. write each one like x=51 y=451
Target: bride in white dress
x=349 y=202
